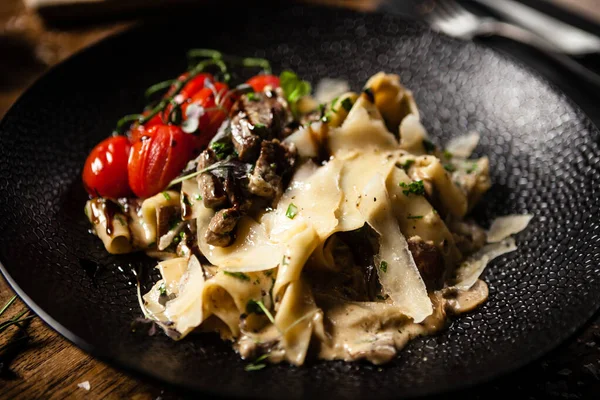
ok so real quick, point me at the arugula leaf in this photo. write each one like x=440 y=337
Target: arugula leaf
x=293 y=88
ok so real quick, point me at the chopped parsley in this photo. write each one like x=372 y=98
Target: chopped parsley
x=448 y=155
x=252 y=96
x=167 y=195
x=414 y=217
x=162 y=289
x=406 y=165
x=472 y=168
x=259 y=126
x=449 y=167
x=383 y=266
x=428 y=146
x=221 y=149
x=239 y=275
x=347 y=104
x=284 y=260
x=416 y=188
x=292 y=211
x=198 y=197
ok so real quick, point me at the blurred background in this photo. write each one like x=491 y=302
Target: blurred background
x=36 y=34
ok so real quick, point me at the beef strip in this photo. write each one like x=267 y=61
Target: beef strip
x=429 y=260
x=221 y=227
x=275 y=162
x=262 y=116
x=211 y=189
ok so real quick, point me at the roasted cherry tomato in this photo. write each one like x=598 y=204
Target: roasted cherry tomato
x=158 y=158
x=259 y=82
x=214 y=114
x=137 y=130
x=196 y=84
x=105 y=170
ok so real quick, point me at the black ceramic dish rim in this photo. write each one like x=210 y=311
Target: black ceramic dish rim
x=132 y=369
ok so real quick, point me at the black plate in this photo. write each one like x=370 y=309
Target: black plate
x=544 y=160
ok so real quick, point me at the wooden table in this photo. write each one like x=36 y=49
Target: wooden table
x=49 y=367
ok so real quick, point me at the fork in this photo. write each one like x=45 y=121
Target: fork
x=448 y=17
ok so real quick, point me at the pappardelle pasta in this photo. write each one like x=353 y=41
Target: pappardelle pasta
x=295 y=225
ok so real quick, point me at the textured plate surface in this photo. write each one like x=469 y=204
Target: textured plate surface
x=544 y=160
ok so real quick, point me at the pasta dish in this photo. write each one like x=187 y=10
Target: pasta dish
x=294 y=224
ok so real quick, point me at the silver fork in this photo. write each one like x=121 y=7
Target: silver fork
x=448 y=17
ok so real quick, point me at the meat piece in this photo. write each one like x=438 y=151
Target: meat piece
x=221 y=227
x=245 y=142
x=211 y=189
x=274 y=163
x=218 y=240
x=429 y=260
x=237 y=193
x=260 y=116
x=166 y=217
x=224 y=221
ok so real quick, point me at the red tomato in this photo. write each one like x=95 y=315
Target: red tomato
x=158 y=159
x=195 y=85
x=214 y=114
x=259 y=82
x=105 y=170
x=137 y=130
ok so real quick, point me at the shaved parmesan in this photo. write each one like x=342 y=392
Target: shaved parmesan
x=503 y=227
x=186 y=310
x=84 y=385
x=396 y=268
x=252 y=250
x=328 y=89
x=412 y=133
x=471 y=269
x=463 y=146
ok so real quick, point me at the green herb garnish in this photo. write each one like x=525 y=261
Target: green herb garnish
x=472 y=168
x=414 y=217
x=293 y=88
x=383 y=266
x=198 y=197
x=252 y=96
x=257 y=364
x=449 y=167
x=239 y=275
x=448 y=155
x=292 y=211
x=221 y=149
x=162 y=289
x=428 y=146
x=416 y=188
x=167 y=195
x=406 y=165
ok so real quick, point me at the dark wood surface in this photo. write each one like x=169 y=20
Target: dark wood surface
x=47 y=366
